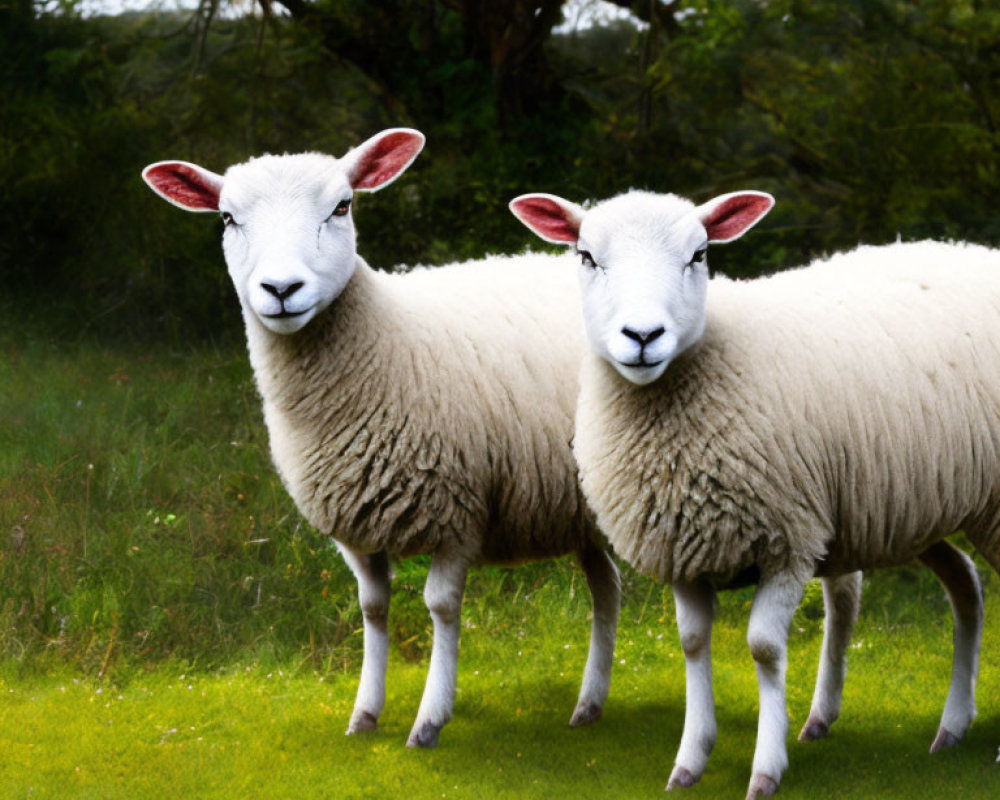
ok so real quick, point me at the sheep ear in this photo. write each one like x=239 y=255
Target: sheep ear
x=383 y=158
x=729 y=216
x=550 y=217
x=185 y=185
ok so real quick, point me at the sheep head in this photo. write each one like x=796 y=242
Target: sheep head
x=643 y=272
x=289 y=238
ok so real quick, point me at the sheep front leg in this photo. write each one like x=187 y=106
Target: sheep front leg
x=767 y=634
x=842 y=600
x=372 y=573
x=443 y=596
x=958 y=574
x=605 y=592
x=695 y=604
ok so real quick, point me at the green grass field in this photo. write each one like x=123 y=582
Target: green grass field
x=170 y=628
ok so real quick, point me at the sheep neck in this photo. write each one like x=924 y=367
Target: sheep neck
x=330 y=363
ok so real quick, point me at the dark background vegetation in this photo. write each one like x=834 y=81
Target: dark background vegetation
x=868 y=119
x=139 y=514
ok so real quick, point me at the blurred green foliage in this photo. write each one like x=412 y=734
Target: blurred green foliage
x=868 y=119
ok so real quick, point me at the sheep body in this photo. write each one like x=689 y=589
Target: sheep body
x=838 y=417
x=427 y=412
x=833 y=418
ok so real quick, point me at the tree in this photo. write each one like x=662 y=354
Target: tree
x=409 y=48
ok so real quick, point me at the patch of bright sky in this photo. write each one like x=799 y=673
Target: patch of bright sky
x=581 y=15
x=227 y=8
x=578 y=15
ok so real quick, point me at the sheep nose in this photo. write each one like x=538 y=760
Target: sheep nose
x=643 y=337
x=282 y=290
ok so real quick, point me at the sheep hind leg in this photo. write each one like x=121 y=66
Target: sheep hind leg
x=961 y=581
x=443 y=597
x=988 y=546
x=372 y=572
x=605 y=591
x=841 y=599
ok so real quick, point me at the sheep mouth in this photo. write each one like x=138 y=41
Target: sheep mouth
x=285 y=315
x=641 y=363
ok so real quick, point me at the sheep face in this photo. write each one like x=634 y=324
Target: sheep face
x=289 y=237
x=643 y=270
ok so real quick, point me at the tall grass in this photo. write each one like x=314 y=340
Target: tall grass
x=140 y=516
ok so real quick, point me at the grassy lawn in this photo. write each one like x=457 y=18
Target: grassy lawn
x=256 y=731
x=169 y=628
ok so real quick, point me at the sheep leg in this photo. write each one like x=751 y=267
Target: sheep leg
x=605 y=592
x=695 y=604
x=958 y=574
x=842 y=599
x=767 y=634
x=372 y=572
x=443 y=597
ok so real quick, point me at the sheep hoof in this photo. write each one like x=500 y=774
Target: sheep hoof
x=945 y=739
x=361 y=722
x=681 y=778
x=815 y=728
x=761 y=785
x=426 y=737
x=584 y=714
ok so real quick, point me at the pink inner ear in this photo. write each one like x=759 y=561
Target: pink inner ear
x=548 y=219
x=734 y=215
x=185 y=186
x=385 y=159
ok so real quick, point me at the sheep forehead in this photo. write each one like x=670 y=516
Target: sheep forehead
x=303 y=177
x=639 y=220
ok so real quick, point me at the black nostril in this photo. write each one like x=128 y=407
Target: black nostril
x=294 y=287
x=643 y=337
x=282 y=294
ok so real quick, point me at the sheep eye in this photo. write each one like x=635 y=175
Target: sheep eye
x=698 y=257
x=227 y=219
x=342 y=208
x=587 y=259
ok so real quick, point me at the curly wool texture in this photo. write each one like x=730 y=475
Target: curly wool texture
x=833 y=418
x=434 y=410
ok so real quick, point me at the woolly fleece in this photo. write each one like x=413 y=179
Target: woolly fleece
x=837 y=417
x=434 y=410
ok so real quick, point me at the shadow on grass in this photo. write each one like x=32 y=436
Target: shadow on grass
x=496 y=748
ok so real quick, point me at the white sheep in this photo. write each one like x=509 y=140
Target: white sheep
x=829 y=419
x=427 y=412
